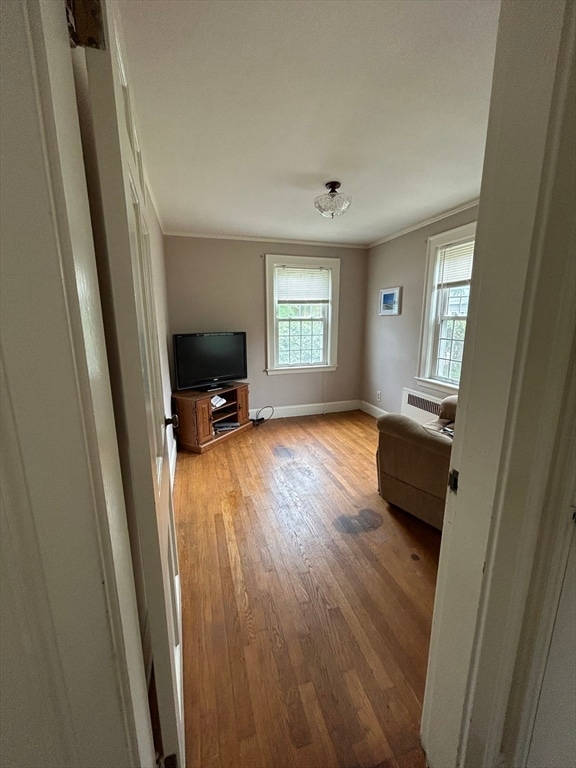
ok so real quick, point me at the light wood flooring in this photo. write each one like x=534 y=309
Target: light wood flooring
x=307 y=601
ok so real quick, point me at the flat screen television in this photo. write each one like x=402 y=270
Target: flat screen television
x=209 y=360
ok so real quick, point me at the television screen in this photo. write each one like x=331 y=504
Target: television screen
x=207 y=360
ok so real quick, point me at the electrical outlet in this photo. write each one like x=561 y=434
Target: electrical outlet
x=378 y=396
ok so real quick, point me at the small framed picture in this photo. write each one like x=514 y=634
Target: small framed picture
x=390 y=301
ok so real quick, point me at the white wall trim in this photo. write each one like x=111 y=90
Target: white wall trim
x=148 y=189
x=316 y=243
x=426 y=222
x=372 y=410
x=301 y=369
x=320 y=243
x=316 y=409
x=309 y=409
x=439 y=388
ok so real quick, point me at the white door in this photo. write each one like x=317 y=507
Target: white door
x=121 y=236
x=72 y=680
x=553 y=742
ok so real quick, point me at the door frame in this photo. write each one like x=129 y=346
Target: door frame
x=551 y=557
x=506 y=440
x=64 y=504
x=117 y=186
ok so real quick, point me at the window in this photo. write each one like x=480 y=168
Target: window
x=449 y=271
x=302 y=308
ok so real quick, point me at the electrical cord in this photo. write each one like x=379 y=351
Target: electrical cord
x=260 y=419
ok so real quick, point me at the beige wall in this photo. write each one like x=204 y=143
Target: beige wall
x=219 y=285
x=392 y=342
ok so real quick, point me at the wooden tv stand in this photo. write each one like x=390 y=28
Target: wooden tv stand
x=198 y=419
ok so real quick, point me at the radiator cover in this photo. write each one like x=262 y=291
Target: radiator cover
x=420 y=406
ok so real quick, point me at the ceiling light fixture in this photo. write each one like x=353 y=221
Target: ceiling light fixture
x=333 y=203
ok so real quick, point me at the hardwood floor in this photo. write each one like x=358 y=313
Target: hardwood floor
x=307 y=601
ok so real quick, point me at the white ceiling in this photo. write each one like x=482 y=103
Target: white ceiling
x=247 y=107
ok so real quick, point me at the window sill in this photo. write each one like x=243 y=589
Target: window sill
x=303 y=369
x=438 y=386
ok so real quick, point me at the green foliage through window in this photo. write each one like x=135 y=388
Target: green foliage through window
x=301 y=334
x=453 y=301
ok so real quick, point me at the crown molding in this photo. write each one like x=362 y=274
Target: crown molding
x=318 y=243
x=153 y=200
x=426 y=222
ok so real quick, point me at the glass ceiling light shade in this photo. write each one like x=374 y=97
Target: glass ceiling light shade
x=333 y=203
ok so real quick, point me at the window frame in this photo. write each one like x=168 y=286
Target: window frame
x=429 y=345
x=308 y=262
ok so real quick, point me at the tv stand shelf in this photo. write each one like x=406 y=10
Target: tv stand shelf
x=198 y=419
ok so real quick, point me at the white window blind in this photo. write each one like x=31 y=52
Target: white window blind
x=302 y=285
x=455 y=263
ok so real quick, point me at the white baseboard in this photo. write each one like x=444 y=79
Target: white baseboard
x=371 y=409
x=308 y=409
x=315 y=409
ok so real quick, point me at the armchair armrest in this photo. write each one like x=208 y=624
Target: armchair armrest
x=448 y=408
x=399 y=427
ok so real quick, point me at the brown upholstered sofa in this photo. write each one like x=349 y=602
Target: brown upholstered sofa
x=413 y=462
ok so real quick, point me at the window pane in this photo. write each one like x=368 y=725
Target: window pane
x=454 y=306
x=300 y=342
x=447 y=329
x=457 y=350
x=444 y=350
x=443 y=369
x=455 y=369
x=282 y=310
x=294 y=357
x=298 y=348
x=459 y=329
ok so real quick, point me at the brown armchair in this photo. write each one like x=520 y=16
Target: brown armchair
x=413 y=462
